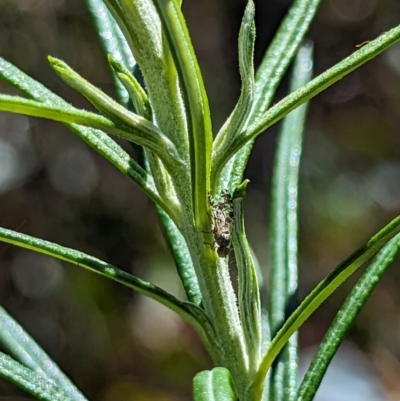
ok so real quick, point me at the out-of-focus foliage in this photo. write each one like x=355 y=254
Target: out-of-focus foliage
x=53 y=187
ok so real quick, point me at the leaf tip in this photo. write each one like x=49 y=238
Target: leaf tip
x=240 y=190
x=57 y=64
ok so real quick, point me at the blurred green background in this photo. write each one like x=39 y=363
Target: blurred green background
x=117 y=345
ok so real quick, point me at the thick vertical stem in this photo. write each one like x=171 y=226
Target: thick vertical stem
x=220 y=303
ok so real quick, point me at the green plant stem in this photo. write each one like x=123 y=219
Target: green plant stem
x=220 y=304
x=122 y=64
x=214 y=280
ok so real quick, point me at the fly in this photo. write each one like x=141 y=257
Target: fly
x=222 y=219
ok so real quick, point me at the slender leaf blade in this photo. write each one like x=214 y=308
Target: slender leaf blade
x=214 y=385
x=36 y=91
x=280 y=53
x=249 y=294
x=190 y=312
x=30 y=381
x=198 y=111
x=107 y=106
x=321 y=292
x=283 y=248
x=241 y=112
x=28 y=352
x=145 y=133
x=140 y=23
x=97 y=139
x=196 y=101
x=183 y=260
x=113 y=42
x=316 y=86
x=345 y=318
x=136 y=92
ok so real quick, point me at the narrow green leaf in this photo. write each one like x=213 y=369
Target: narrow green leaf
x=122 y=70
x=188 y=311
x=107 y=106
x=266 y=341
x=97 y=139
x=214 y=385
x=36 y=91
x=140 y=23
x=146 y=134
x=165 y=186
x=314 y=87
x=283 y=248
x=129 y=167
x=67 y=114
x=249 y=295
x=269 y=74
x=124 y=118
x=136 y=92
x=232 y=172
x=320 y=293
x=241 y=112
x=126 y=121
x=113 y=42
x=281 y=52
x=109 y=149
x=174 y=238
x=345 y=318
x=29 y=381
x=28 y=352
x=198 y=112
x=181 y=255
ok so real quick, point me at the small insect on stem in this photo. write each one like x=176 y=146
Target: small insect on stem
x=367 y=41
x=363 y=43
x=222 y=219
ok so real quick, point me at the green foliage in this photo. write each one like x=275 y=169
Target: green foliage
x=214 y=385
x=248 y=290
x=345 y=318
x=37 y=362
x=31 y=382
x=322 y=291
x=181 y=167
x=284 y=264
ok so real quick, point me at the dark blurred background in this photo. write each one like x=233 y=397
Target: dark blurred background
x=117 y=345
